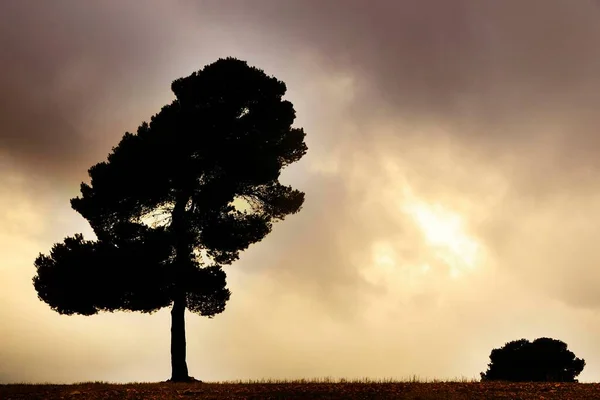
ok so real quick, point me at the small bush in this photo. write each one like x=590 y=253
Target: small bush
x=543 y=360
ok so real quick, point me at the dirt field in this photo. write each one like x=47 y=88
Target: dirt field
x=303 y=390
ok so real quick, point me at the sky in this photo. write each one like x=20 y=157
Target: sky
x=452 y=183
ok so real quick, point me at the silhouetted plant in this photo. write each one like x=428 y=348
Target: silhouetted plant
x=543 y=360
x=178 y=200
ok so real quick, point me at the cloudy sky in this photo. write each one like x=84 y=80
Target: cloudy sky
x=452 y=182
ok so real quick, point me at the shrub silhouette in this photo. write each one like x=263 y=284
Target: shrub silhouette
x=543 y=360
x=178 y=200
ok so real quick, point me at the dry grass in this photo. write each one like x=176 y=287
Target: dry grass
x=326 y=388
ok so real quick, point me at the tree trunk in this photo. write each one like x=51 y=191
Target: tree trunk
x=179 y=370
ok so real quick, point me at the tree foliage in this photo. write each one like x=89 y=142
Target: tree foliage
x=180 y=198
x=543 y=360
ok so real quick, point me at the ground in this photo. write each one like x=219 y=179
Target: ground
x=304 y=390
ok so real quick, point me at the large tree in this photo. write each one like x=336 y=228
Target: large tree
x=178 y=200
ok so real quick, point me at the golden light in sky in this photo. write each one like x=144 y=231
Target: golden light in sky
x=445 y=233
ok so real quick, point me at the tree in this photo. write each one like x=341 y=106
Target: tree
x=543 y=360
x=178 y=200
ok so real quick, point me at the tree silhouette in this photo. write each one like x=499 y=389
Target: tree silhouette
x=543 y=360
x=178 y=200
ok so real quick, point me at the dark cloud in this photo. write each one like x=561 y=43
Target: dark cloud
x=497 y=75
x=67 y=77
x=514 y=76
